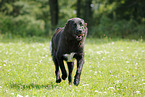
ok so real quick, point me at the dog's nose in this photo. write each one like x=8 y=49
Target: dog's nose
x=79 y=31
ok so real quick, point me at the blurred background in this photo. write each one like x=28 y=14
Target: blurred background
x=105 y=18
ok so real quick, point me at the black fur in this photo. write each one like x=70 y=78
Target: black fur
x=67 y=40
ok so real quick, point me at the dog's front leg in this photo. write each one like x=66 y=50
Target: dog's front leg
x=80 y=63
x=62 y=67
x=70 y=68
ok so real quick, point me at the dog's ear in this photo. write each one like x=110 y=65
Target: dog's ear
x=69 y=22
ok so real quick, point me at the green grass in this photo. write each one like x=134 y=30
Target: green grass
x=112 y=68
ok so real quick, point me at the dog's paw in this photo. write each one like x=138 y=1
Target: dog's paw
x=76 y=82
x=58 y=80
x=64 y=76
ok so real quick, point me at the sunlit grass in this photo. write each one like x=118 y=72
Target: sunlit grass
x=112 y=68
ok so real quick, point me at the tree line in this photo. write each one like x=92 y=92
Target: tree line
x=54 y=11
x=112 y=18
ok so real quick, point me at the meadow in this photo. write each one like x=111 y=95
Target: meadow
x=113 y=67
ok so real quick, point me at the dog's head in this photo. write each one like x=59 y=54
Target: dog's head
x=77 y=28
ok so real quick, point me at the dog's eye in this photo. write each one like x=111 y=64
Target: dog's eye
x=81 y=24
x=75 y=25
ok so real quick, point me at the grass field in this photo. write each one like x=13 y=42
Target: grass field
x=112 y=68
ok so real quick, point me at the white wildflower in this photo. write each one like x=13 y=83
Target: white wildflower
x=127 y=61
x=111 y=88
x=12 y=93
x=99 y=92
x=19 y=95
x=96 y=91
x=43 y=57
x=137 y=92
x=4 y=64
x=85 y=84
x=26 y=96
x=105 y=92
x=95 y=71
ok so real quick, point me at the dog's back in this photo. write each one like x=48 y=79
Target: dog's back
x=55 y=39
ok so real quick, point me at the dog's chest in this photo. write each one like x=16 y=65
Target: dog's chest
x=70 y=57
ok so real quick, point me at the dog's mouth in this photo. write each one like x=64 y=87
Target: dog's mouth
x=80 y=36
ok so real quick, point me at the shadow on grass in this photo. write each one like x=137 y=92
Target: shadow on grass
x=20 y=86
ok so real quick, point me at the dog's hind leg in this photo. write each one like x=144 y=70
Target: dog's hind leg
x=70 y=68
x=62 y=67
x=58 y=79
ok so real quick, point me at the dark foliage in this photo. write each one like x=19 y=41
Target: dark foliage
x=113 y=18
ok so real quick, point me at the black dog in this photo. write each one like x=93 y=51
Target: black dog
x=68 y=44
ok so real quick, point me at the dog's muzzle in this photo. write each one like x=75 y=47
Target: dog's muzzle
x=80 y=35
